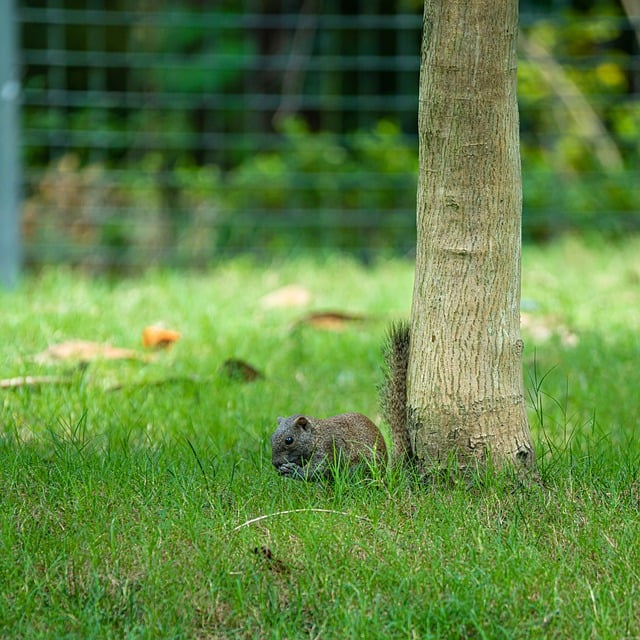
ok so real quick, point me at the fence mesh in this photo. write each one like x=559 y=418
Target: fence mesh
x=175 y=132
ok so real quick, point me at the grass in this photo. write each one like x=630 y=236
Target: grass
x=129 y=492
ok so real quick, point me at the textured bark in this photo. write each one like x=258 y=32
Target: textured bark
x=465 y=386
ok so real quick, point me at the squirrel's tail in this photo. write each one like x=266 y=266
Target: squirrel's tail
x=393 y=394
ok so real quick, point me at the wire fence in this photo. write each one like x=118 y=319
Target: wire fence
x=178 y=132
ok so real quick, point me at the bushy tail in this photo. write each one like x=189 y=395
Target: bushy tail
x=393 y=394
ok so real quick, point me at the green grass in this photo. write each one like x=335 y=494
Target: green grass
x=124 y=491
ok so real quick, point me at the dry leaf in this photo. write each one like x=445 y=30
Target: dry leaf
x=292 y=295
x=331 y=320
x=32 y=381
x=542 y=328
x=84 y=351
x=159 y=337
x=240 y=370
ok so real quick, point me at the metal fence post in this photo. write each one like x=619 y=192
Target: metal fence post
x=9 y=147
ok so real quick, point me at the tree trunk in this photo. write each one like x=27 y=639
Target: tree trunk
x=465 y=386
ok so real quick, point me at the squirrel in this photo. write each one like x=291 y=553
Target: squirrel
x=307 y=448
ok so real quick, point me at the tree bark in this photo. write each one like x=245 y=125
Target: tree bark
x=465 y=393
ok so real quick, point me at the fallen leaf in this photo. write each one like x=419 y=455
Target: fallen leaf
x=330 y=320
x=85 y=350
x=293 y=295
x=32 y=381
x=240 y=370
x=542 y=328
x=155 y=336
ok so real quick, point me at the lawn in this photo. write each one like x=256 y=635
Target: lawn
x=138 y=499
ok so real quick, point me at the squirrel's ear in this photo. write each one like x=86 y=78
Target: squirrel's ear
x=301 y=422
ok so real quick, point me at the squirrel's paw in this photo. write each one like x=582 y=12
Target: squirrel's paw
x=292 y=470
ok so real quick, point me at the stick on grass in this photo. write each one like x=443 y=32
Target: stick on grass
x=311 y=510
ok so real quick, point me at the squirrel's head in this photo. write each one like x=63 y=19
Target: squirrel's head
x=292 y=441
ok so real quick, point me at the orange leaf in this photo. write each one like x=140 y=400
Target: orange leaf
x=331 y=320
x=158 y=337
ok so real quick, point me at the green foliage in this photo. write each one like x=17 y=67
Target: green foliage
x=579 y=125
x=203 y=57
x=319 y=190
x=138 y=500
x=315 y=191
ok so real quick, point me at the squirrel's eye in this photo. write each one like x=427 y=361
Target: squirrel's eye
x=288 y=440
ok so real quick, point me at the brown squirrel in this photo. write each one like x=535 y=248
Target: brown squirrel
x=308 y=448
